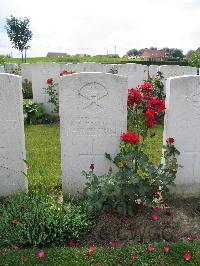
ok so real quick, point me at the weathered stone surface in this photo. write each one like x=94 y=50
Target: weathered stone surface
x=12 y=144
x=93 y=112
x=40 y=73
x=136 y=73
x=10 y=68
x=89 y=67
x=26 y=72
x=182 y=122
x=153 y=69
x=2 y=69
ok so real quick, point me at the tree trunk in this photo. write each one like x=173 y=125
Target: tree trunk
x=22 y=57
x=25 y=55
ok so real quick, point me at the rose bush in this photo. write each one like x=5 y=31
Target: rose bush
x=137 y=178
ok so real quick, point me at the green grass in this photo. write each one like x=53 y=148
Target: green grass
x=105 y=256
x=71 y=59
x=43 y=153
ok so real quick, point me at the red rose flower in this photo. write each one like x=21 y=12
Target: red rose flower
x=130 y=137
x=170 y=140
x=50 y=81
x=146 y=87
x=134 y=256
x=150 y=123
x=134 y=97
x=150 y=248
x=113 y=244
x=154 y=216
x=150 y=114
x=166 y=248
x=92 y=166
x=187 y=256
x=156 y=104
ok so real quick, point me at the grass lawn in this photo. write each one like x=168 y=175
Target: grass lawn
x=43 y=153
x=104 y=256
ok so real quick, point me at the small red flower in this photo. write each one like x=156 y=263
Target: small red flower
x=150 y=248
x=91 y=249
x=156 y=208
x=150 y=114
x=70 y=244
x=187 y=256
x=130 y=137
x=131 y=229
x=134 y=256
x=170 y=140
x=87 y=254
x=146 y=87
x=92 y=166
x=113 y=244
x=166 y=248
x=41 y=254
x=150 y=123
x=191 y=238
x=154 y=216
x=50 y=81
x=14 y=221
x=134 y=97
x=156 y=104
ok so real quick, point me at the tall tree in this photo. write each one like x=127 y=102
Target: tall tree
x=19 y=33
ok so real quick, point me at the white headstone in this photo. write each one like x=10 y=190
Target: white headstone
x=2 y=69
x=68 y=66
x=40 y=73
x=188 y=70
x=136 y=73
x=26 y=72
x=112 y=68
x=93 y=113
x=182 y=122
x=89 y=67
x=169 y=71
x=12 y=144
x=153 y=69
x=10 y=68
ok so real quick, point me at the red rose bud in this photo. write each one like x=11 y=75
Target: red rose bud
x=154 y=217
x=50 y=81
x=150 y=248
x=170 y=140
x=187 y=256
x=166 y=248
x=92 y=166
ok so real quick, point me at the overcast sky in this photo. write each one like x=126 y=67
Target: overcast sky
x=93 y=27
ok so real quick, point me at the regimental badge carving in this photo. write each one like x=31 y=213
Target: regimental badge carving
x=92 y=97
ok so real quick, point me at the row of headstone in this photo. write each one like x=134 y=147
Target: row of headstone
x=93 y=111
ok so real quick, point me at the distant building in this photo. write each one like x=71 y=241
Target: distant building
x=154 y=55
x=82 y=55
x=50 y=54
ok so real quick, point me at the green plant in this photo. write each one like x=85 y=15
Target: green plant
x=38 y=219
x=32 y=112
x=138 y=179
x=27 y=89
x=51 y=90
x=157 y=85
x=195 y=59
x=2 y=59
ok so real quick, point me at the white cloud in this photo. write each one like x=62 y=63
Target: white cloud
x=93 y=26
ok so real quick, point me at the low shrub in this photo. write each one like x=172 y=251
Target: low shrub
x=27 y=89
x=32 y=112
x=37 y=219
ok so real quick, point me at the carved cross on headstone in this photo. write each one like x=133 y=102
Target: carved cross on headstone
x=92 y=154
